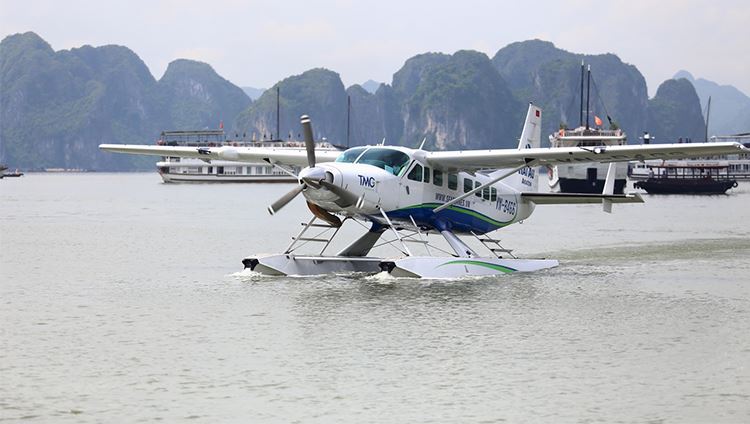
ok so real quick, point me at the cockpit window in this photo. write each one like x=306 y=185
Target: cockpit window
x=391 y=160
x=351 y=155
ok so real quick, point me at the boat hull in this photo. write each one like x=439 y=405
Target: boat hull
x=685 y=186
x=575 y=185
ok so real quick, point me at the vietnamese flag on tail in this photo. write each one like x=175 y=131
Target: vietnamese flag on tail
x=597 y=120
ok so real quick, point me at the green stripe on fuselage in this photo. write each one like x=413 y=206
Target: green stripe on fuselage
x=496 y=267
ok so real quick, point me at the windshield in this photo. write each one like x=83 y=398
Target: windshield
x=350 y=155
x=391 y=160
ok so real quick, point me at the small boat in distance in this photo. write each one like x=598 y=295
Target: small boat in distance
x=738 y=165
x=15 y=173
x=691 y=179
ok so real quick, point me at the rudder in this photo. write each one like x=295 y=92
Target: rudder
x=531 y=135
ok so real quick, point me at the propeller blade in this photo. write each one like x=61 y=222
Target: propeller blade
x=309 y=142
x=346 y=197
x=275 y=206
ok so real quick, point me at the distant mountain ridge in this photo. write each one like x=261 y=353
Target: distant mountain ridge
x=730 y=108
x=56 y=107
x=253 y=93
x=370 y=86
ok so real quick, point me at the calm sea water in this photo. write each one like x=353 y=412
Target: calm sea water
x=122 y=300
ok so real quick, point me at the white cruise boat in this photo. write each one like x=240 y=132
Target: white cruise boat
x=187 y=170
x=737 y=166
x=586 y=177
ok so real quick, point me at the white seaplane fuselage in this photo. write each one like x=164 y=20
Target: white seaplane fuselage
x=407 y=188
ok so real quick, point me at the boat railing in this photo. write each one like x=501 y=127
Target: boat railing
x=591 y=132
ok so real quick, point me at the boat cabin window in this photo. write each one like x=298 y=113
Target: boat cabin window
x=468 y=185
x=437 y=178
x=416 y=173
x=453 y=181
x=426 y=174
x=351 y=155
x=393 y=161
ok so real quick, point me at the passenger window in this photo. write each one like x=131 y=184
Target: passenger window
x=416 y=173
x=453 y=181
x=437 y=178
x=486 y=193
x=493 y=194
x=468 y=185
x=478 y=193
x=426 y=174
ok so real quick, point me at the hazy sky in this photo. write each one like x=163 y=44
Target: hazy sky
x=256 y=43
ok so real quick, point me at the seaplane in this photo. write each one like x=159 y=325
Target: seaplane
x=412 y=193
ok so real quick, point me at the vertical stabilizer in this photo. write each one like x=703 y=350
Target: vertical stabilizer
x=531 y=136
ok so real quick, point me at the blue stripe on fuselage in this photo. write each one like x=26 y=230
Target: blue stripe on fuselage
x=454 y=218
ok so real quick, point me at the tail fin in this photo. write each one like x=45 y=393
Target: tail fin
x=531 y=136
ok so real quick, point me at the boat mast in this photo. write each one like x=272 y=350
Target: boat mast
x=708 y=114
x=278 y=124
x=588 y=95
x=348 y=113
x=580 y=109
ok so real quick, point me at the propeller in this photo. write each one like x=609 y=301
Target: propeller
x=316 y=178
x=310 y=148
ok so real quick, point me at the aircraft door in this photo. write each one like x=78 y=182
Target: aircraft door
x=411 y=185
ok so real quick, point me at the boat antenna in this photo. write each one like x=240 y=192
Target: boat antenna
x=278 y=121
x=348 y=117
x=580 y=109
x=588 y=95
x=708 y=114
x=601 y=101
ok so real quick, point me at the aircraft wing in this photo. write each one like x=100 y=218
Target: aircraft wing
x=470 y=160
x=580 y=198
x=238 y=154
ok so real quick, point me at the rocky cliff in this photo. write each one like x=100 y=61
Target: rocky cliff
x=539 y=72
x=675 y=113
x=318 y=93
x=57 y=107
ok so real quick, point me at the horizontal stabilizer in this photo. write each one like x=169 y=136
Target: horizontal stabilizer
x=579 y=198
